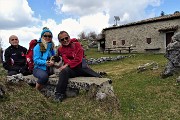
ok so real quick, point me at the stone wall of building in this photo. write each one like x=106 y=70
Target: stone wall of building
x=137 y=35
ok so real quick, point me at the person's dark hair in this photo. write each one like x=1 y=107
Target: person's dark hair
x=61 y=32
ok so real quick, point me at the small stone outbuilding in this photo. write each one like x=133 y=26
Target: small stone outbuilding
x=150 y=35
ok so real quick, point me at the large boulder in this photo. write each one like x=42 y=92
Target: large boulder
x=173 y=56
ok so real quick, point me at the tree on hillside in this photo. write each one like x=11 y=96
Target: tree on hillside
x=82 y=35
x=1 y=51
x=176 y=12
x=92 y=35
x=162 y=13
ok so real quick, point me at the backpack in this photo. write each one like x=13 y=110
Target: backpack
x=29 y=55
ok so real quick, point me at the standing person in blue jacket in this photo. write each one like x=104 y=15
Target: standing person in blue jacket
x=41 y=54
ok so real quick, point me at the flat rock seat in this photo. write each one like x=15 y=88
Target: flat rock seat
x=96 y=87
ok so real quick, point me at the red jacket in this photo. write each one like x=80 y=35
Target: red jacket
x=72 y=54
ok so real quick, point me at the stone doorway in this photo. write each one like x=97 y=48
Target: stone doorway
x=168 y=37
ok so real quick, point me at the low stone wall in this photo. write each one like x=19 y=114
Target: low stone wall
x=106 y=59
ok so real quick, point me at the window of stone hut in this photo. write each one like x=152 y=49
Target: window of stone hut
x=148 y=40
x=114 y=42
x=123 y=42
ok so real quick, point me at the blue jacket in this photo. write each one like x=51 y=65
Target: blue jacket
x=40 y=58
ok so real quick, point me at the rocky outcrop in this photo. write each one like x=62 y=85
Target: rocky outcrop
x=173 y=56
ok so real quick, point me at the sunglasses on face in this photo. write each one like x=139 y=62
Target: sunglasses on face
x=13 y=39
x=66 y=38
x=49 y=36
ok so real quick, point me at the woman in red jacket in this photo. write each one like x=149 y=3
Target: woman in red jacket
x=72 y=54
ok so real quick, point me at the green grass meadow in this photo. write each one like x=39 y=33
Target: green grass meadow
x=142 y=96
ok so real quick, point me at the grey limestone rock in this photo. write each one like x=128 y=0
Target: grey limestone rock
x=151 y=66
x=173 y=56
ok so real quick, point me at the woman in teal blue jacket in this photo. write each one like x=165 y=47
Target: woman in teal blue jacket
x=41 y=54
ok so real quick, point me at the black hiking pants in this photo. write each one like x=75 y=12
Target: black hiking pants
x=67 y=73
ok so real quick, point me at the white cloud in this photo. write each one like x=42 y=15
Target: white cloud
x=80 y=7
x=15 y=13
x=94 y=22
x=17 y=17
x=122 y=8
x=24 y=34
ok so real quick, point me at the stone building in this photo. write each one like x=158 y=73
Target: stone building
x=152 y=34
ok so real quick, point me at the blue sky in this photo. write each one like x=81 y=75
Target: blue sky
x=26 y=18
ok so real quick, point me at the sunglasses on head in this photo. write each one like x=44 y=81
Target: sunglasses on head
x=49 y=36
x=66 y=38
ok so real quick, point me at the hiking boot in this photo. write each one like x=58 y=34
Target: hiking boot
x=102 y=73
x=59 y=97
x=32 y=84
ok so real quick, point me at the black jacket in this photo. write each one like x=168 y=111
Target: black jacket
x=15 y=59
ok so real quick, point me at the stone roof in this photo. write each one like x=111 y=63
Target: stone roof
x=172 y=28
x=150 y=20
